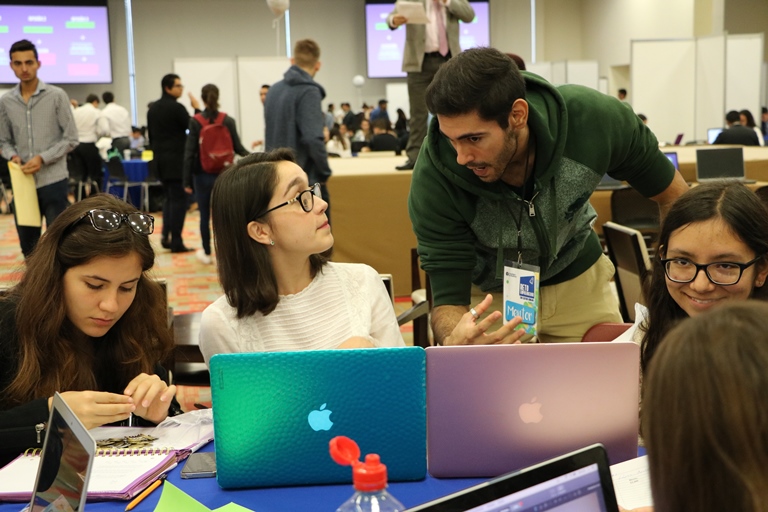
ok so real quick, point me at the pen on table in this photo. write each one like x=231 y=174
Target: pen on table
x=146 y=492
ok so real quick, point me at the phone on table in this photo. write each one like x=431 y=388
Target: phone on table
x=200 y=465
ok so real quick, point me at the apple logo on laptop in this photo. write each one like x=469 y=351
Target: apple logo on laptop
x=320 y=419
x=530 y=412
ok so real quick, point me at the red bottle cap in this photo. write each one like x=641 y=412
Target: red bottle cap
x=367 y=476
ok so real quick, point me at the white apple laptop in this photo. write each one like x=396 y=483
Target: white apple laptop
x=274 y=414
x=495 y=409
x=720 y=163
x=712 y=134
x=574 y=482
x=65 y=463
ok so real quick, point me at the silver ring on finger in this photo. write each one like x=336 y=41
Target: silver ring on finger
x=474 y=313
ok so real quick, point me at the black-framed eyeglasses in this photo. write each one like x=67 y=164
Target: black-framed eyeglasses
x=108 y=220
x=721 y=273
x=305 y=198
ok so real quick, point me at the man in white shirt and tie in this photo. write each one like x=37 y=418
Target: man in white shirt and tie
x=87 y=160
x=427 y=46
x=116 y=123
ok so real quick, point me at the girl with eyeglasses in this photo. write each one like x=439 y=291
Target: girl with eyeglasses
x=272 y=243
x=712 y=250
x=705 y=413
x=85 y=320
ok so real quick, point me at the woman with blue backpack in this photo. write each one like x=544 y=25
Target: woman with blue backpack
x=211 y=146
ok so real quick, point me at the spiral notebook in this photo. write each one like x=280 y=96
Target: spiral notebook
x=120 y=473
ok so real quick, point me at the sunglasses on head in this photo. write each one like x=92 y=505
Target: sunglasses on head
x=108 y=220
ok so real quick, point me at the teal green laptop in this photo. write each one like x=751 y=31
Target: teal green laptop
x=274 y=414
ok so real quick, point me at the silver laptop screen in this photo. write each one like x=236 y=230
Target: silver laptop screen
x=63 y=471
x=577 y=491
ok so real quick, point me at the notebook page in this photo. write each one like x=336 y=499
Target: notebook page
x=19 y=475
x=113 y=475
x=632 y=483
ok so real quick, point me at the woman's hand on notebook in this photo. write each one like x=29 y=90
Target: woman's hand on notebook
x=97 y=408
x=151 y=395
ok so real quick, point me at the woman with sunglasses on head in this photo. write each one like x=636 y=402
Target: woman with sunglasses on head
x=85 y=320
x=272 y=238
x=712 y=250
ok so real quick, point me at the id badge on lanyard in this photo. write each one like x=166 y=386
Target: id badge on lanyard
x=521 y=294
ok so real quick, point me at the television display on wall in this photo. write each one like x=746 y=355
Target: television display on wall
x=385 y=46
x=72 y=40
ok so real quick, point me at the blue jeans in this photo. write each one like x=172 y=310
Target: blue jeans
x=203 y=187
x=52 y=200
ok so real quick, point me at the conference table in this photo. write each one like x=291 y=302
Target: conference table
x=280 y=499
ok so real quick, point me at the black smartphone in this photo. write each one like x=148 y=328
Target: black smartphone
x=200 y=465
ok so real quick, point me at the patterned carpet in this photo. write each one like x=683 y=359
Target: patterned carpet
x=192 y=285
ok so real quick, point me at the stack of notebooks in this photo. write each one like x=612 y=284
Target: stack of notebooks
x=121 y=473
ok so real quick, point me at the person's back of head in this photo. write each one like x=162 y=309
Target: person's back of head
x=705 y=413
x=210 y=96
x=622 y=93
x=108 y=97
x=732 y=117
x=306 y=54
x=92 y=98
x=380 y=126
x=481 y=80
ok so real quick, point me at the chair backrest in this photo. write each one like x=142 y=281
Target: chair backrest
x=606 y=331
x=115 y=168
x=630 y=208
x=627 y=250
x=77 y=171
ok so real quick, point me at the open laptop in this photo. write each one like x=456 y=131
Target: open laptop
x=495 y=409
x=672 y=155
x=65 y=464
x=679 y=139
x=577 y=481
x=712 y=134
x=274 y=414
x=721 y=163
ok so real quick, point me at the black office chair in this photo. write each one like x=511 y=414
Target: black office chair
x=79 y=181
x=421 y=300
x=627 y=251
x=633 y=210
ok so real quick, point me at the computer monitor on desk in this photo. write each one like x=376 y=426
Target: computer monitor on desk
x=672 y=155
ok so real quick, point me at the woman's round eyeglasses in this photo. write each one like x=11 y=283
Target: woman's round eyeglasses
x=305 y=198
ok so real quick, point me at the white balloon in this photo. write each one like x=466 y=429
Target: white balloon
x=278 y=6
x=358 y=80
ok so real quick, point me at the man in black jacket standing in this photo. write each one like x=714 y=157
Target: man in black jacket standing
x=167 y=123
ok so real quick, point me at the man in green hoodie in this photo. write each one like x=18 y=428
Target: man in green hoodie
x=506 y=173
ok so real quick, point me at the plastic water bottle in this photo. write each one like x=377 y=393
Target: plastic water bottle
x=369 y=479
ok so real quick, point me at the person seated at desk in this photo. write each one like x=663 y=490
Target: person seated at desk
x=712 y=250
x=705 y=413
x=338 y=143
x=280 y=292
x=383 y=139
x=736 y=133
x=85 y=320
